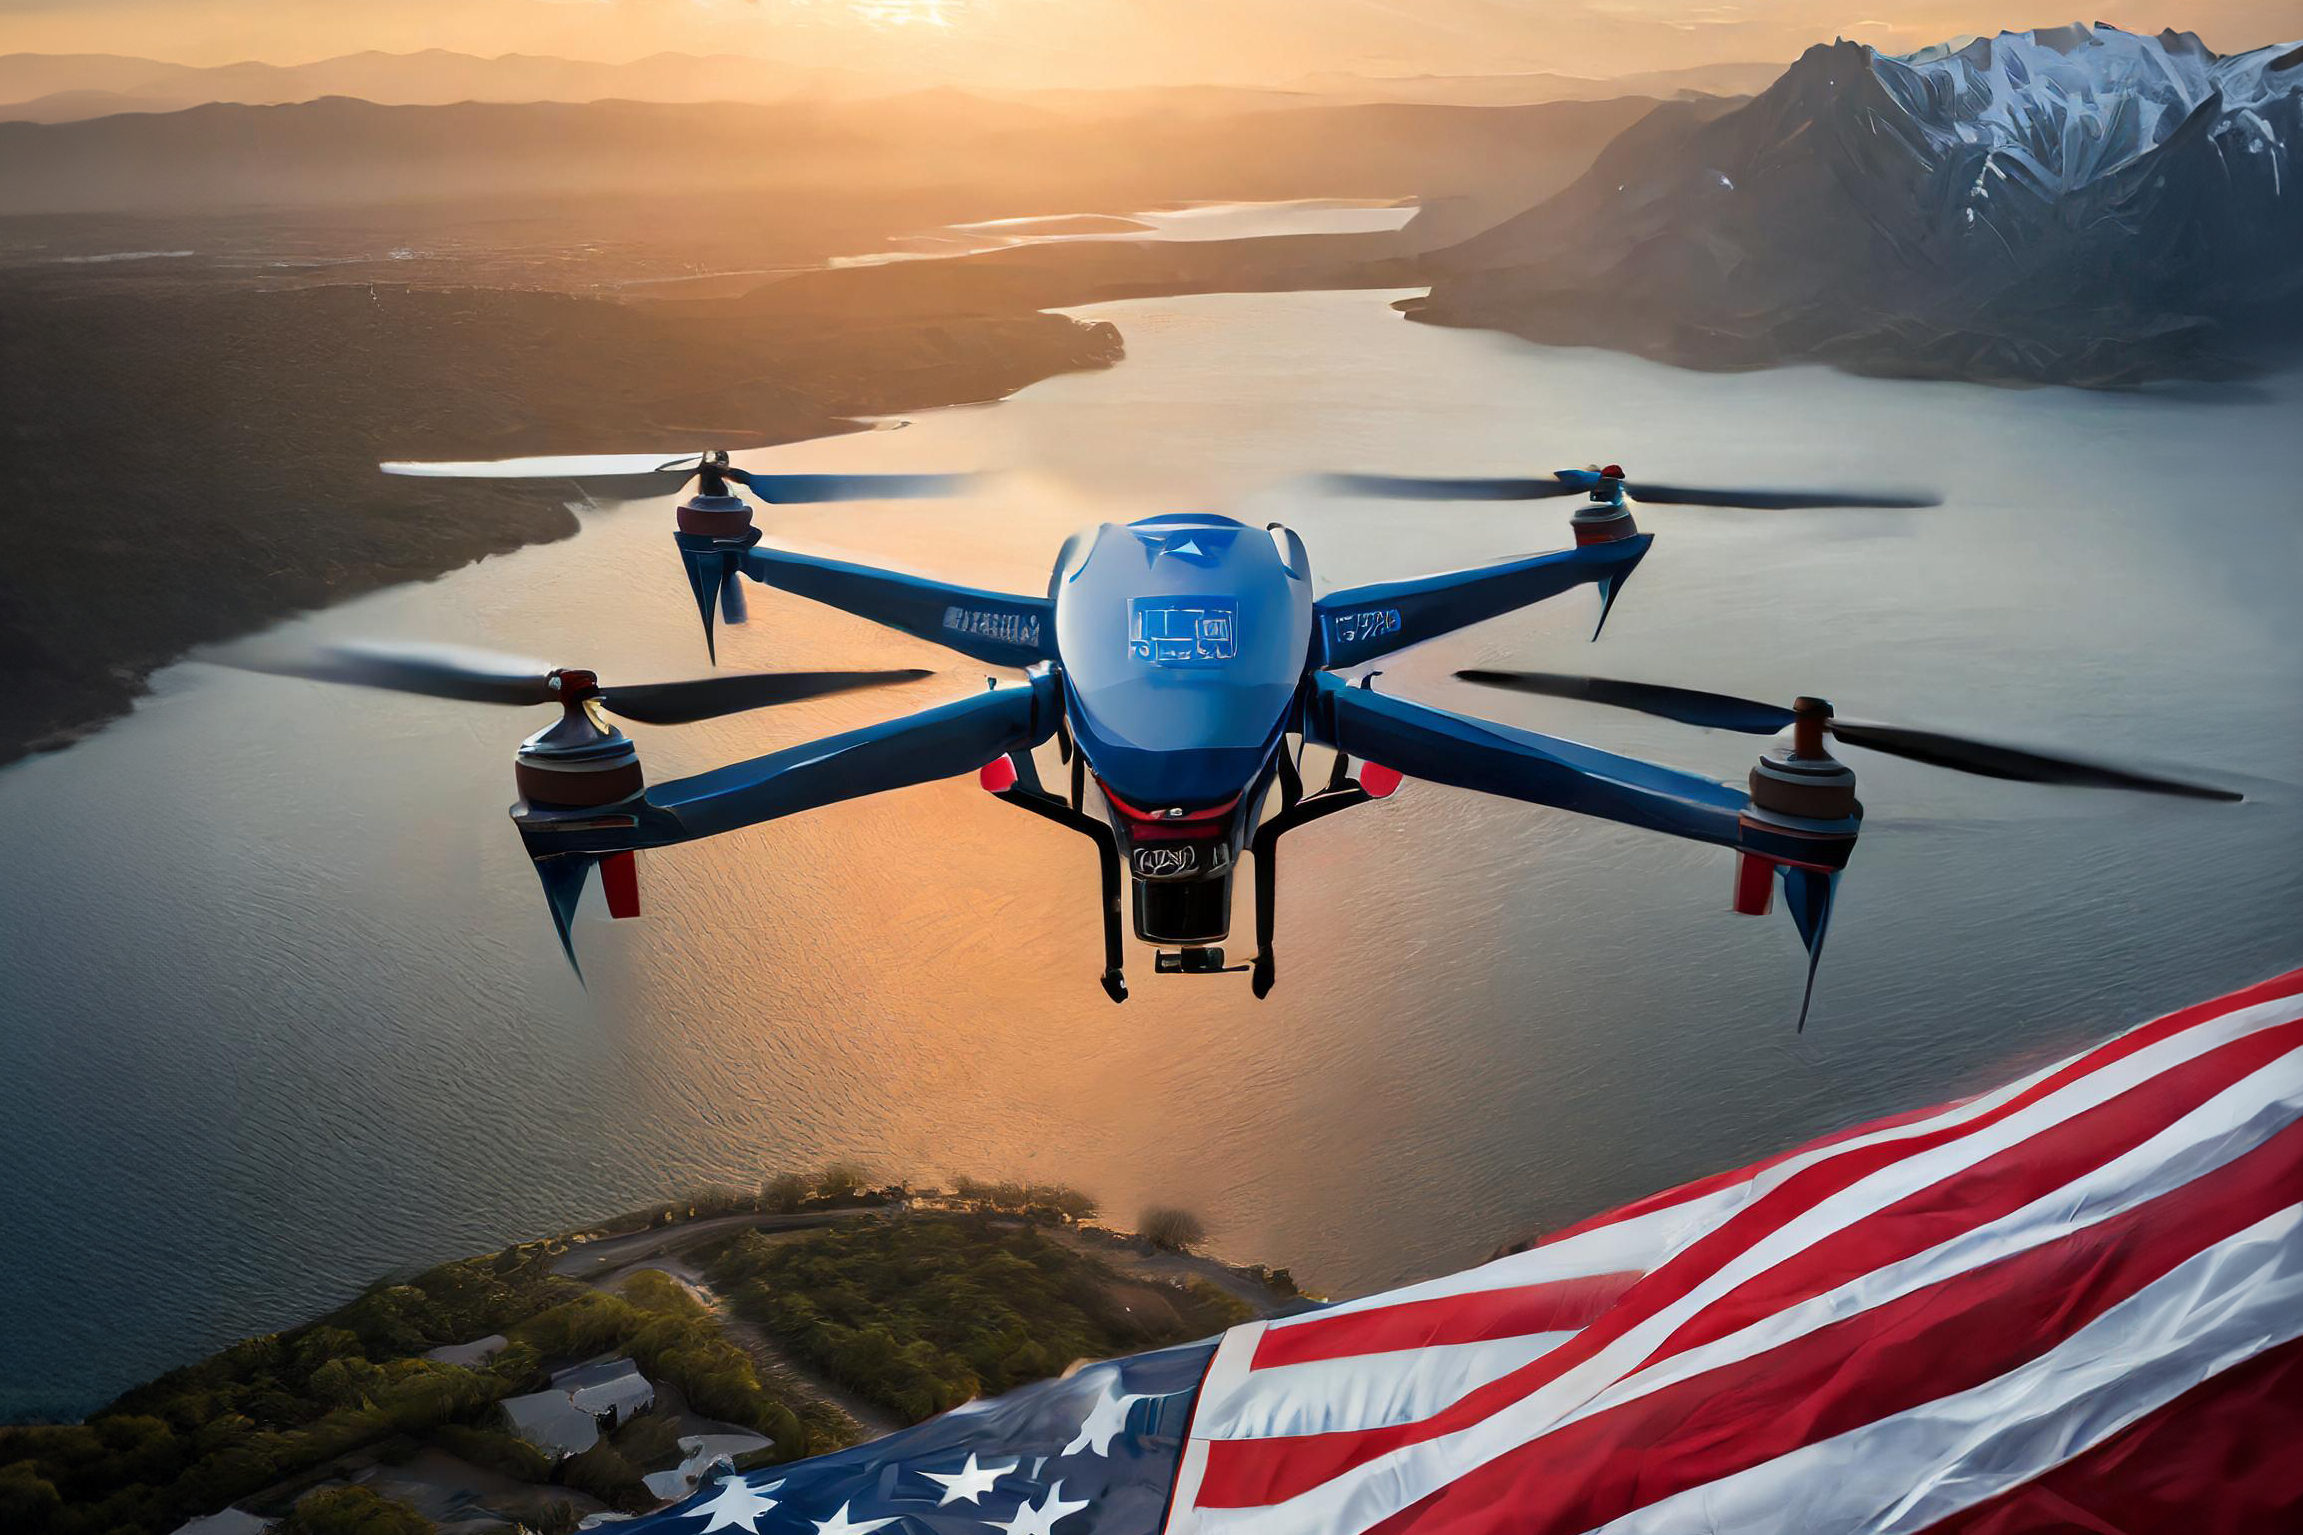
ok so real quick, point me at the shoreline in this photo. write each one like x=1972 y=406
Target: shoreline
x=466 y=373
x=244 y=424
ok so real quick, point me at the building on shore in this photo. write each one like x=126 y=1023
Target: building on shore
x=569 y=1416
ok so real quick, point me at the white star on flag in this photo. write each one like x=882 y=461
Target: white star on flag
x=739 y=1505
x=1040 y=1520
x=969 y=1483
x=1107 y=1419
x=841 y=1524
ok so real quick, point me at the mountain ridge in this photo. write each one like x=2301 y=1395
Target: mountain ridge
x=55 y=88
x=1907 y=215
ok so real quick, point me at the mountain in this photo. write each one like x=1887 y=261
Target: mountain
x=79 y=105
x=45 y=87
x=55 y=88
x=1528 y=89
x=1006 y=157
x=2074 y=204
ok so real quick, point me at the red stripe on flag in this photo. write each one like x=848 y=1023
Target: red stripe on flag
x=1559 y=1305
x=2200 y=1012
x=1894 y=1358
x=2055 y=1157
x=2218 y=1460
x=1315 y=1458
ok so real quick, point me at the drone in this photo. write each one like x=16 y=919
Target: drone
x=1180 y=663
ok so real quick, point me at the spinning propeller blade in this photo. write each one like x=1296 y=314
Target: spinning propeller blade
x=1713 y=711
x=1721 y=711
x=436 y=671
x=1405 y=487
x=1602 y=483
x=776 y=489
x=474 y=676
x=684 y=703
x=1776 y=500
x=567 y=466
x=792 y=489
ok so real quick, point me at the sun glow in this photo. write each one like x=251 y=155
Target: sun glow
x=908 y=13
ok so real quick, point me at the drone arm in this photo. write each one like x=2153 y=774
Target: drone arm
x=919 y=748
x=1365 y=622
x=1433 y=744
x=994 y=627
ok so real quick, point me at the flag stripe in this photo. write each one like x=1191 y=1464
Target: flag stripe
x=2276 y=988
x=1330 y=1396
x=1894 y=1358
x=1353 y=1480
x=2058 y=1155
x=1246 y=1473
x=1902 y=1474
x=1552 y=1307
x=2218 y=1460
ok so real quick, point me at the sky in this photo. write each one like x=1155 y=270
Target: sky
x=1099 y=42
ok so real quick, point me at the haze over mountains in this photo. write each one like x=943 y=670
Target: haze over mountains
x=54 y=88
x=69 y=87
x=1012 y=157
x=2072 y=204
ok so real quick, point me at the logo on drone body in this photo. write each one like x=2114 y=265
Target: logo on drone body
x=1183 y=631
x=1009 y=628
x=1165 y=862
x=1366 y=624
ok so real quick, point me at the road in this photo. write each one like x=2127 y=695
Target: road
x=593 y=1261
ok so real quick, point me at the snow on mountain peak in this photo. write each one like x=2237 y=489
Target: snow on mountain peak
x=2063 y=106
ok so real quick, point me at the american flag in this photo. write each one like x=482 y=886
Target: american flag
x=2073 y=1303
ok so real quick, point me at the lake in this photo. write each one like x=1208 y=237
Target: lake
x=284 y=1011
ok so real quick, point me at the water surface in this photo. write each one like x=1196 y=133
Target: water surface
x=283 y=1010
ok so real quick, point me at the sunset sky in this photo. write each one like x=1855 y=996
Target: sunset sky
x=1041 y=42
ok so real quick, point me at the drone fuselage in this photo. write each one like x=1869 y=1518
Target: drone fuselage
x=1182 y=642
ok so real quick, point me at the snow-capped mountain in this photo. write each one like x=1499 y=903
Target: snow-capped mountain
x=2061 y=107
x=2069 y=203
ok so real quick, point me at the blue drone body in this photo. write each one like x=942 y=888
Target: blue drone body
x=1181 y=663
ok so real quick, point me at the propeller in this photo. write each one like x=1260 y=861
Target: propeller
x=1607 y=483
x=1721 y=711
x=777 y=489
x=475 y=676
x=1403 y=487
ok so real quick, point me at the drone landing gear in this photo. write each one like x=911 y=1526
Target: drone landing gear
x=1022 y=789
x=1296 y=809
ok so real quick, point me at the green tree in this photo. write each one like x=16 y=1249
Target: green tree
x=28 y=1500
x=784 y=1193
x=351 y=1511
x=842 y=1180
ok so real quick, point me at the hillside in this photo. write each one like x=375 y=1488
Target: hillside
x=239 y=417
x=743 y=1317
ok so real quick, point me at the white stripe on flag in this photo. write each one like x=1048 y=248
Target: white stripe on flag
x=2215 y=1134
x=1326 y=1396
x=2216 y=1310
x=1365 y=1494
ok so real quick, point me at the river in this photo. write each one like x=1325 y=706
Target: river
x=284 y=1011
